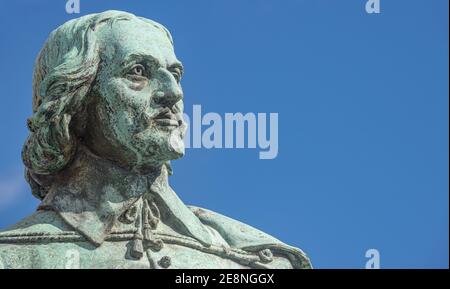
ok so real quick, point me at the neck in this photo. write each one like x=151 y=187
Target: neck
x=99 y=191
x=92 y=193
x=93 y=175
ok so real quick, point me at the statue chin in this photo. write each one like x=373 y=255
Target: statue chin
x=154 y=150
x=177 y=145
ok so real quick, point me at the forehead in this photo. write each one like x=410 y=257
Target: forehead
x=136 y=37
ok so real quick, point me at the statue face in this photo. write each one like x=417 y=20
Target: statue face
x=135 y=109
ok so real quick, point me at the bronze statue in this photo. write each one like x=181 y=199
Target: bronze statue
x=107 y=119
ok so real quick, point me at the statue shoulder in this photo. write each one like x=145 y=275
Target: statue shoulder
x=40 y=223
x=18 y=243
x=242 y=236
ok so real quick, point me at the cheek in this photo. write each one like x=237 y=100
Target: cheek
x=122 y=125
x=115 y=123
x=126 y=109
x=124 y=95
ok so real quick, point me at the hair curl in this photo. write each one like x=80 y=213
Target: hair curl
x=64 y=72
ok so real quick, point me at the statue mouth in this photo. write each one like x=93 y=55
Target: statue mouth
x=167 y=118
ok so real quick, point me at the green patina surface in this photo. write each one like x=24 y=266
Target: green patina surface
x=107 y=119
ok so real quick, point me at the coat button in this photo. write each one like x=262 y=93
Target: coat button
x=265 y=256
x=165 y=262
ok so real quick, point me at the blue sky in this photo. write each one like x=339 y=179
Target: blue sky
x=363 y=118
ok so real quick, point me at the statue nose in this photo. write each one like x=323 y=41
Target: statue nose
x=169 y=94
x=169 y=98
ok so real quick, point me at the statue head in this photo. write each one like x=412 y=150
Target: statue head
x=109 y=82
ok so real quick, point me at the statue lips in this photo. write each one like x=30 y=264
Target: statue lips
x=167 y=119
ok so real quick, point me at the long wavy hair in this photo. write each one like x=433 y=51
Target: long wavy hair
x=64 y=73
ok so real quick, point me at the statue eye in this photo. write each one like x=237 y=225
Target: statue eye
x=176 y=72
x=137 y=70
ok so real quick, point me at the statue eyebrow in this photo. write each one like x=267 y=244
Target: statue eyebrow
x=136 y=57
x=176 y=65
